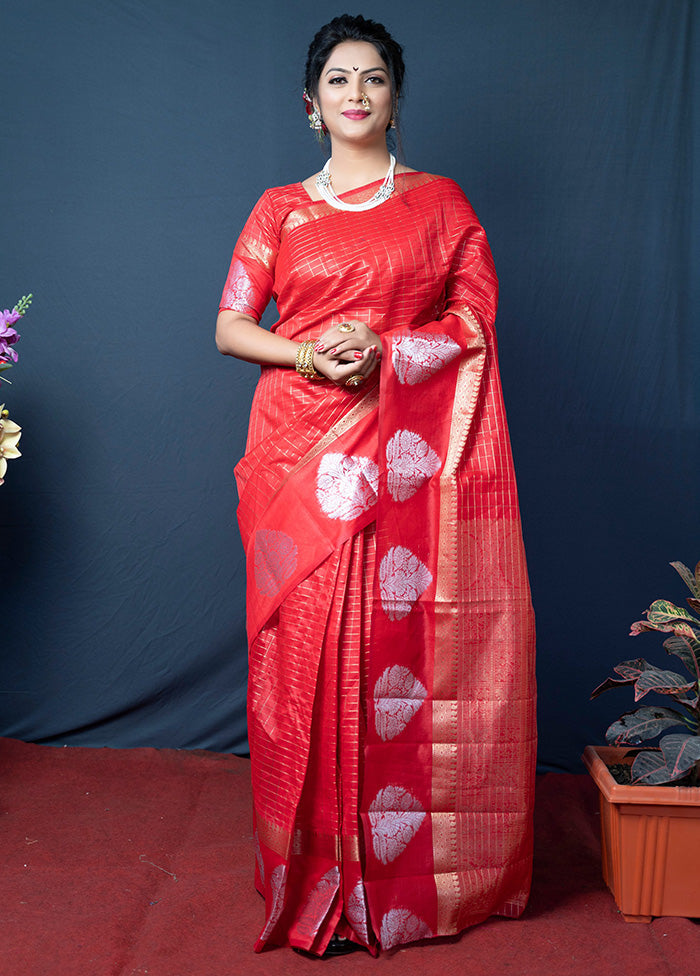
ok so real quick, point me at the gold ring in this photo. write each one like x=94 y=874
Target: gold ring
x=356 y=380
x=346 y=327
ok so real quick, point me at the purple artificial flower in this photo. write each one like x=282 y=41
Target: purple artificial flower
x=8 y=335
x=9 y=318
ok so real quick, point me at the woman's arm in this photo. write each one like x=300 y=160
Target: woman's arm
x=240 y=336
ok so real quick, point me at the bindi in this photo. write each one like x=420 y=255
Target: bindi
x=355 y=69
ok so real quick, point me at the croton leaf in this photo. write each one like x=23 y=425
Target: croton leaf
x=688 y=650
x=629 y=672
x=662 y=610
x=666 y=683
x=677 y=626
x=665 y=612
x=694 y=603
x=677 y=755
x=650 y=767
x=681 y=752
x=691 y=580
x=641 y=725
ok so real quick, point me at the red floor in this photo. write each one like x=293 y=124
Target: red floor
x=139 y=863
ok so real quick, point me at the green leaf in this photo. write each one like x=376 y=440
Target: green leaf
x=680 y=627
x=665 y=612
x=676 y=757
x=688 y=650
x=681 y=752
x=688 y=578
x=643 y=724
x=666 y=683
x=650 y=768
x=629 y=671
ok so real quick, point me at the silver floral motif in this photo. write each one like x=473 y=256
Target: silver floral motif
x=318 y=904
x=400 y=926
x=415 y=358
x=346 y=485
x=398 y=695
x=278 y=883
x=411 y=461
x=402 y=580
x=239 y=295
x=275 y=560
x=356 y=911
x=395 y=817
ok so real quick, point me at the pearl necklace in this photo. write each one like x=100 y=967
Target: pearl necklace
x=324 y=187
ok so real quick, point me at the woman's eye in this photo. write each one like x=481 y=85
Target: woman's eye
x=376 y=79
x=333 y=81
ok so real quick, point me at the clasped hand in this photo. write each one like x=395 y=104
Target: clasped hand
x=338 y=355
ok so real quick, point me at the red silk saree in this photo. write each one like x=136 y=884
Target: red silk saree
x=391 y=699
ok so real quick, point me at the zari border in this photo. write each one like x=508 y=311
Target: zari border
x=306 y=842
x=448 y=639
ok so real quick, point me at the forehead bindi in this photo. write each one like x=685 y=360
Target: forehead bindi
x=355 y=57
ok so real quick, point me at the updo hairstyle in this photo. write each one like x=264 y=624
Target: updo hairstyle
x=348 y=28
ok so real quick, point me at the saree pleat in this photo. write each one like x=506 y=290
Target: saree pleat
x=313 y=835
x=391 y=698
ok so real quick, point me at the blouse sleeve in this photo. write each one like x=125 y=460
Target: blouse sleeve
x=250 y=280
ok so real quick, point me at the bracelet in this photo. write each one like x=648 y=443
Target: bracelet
x=305 y=360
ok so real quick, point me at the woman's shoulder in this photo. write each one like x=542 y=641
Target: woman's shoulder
x=276 y=203
x=443 y=185
x=444 y=192
x=279 y=196
x=286 y=189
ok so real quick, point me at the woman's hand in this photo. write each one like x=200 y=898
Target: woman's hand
x=339 y=371
x=341 y=353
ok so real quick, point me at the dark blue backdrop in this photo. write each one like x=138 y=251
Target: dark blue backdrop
x=135 y=137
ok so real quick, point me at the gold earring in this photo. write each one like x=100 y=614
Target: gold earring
x=315 y=119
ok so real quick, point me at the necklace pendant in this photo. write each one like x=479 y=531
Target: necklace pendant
x=325 y=188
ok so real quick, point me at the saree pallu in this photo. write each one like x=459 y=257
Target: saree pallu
x=391 y=694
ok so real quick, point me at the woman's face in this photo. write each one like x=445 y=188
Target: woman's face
x=354 y=69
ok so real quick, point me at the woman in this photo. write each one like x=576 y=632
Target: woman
x=391 y=695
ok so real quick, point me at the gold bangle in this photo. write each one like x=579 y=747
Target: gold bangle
x=304 y=361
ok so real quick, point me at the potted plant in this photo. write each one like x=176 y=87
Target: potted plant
x=649 y=794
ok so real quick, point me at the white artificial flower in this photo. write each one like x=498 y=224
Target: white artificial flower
x=10 y=434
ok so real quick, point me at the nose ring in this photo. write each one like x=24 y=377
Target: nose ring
x=365 y=102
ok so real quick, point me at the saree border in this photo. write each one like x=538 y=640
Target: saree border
x=448 y=639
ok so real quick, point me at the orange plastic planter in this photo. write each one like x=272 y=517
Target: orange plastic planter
x=650 y=838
